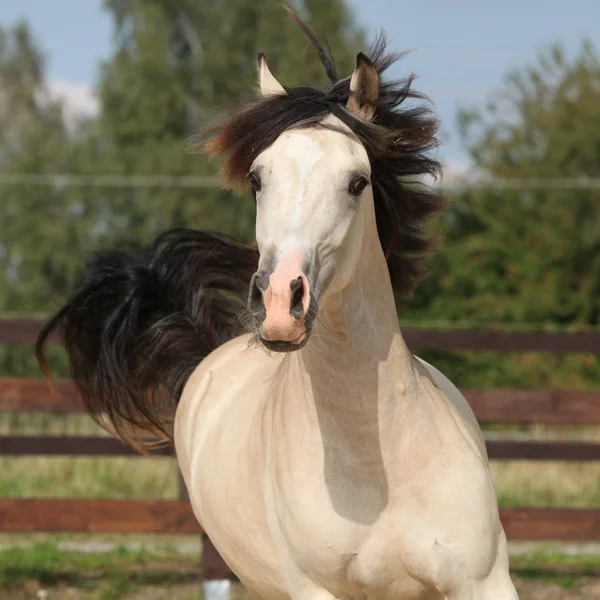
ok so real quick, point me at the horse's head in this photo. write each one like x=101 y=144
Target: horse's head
x=312 y=186
x=327 y=169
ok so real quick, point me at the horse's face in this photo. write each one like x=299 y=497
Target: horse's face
x=312 y=187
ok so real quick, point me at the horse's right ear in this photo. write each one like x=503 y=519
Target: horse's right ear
x=269 y=86
x=364 y=88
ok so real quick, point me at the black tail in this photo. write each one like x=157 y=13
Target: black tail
x=137 y=326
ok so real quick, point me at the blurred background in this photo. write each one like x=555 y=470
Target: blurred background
x=97 y=102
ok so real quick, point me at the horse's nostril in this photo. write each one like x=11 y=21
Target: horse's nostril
x=262 y=282
x=259 y=286
x=297 y=304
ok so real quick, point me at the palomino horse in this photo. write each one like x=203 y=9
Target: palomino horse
x=322 y=458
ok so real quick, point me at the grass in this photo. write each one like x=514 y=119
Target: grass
x=64 y=477
x=551 y=483
x=97 y=575
x=522 y=483
x=33 y=562
x=122 y=573
x=80 y=477
x=548 y=566
x=518 y=483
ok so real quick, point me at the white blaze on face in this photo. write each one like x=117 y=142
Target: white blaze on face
x=304 y=154
x=304 y=202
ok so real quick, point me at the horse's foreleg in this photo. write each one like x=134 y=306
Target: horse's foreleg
x=497 y=586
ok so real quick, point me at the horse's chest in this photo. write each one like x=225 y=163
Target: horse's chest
x=353 y=561
x=404 y=535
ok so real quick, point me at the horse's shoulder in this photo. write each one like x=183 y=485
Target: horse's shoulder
x=453 y=394
x=237 y=358
x=227 y=374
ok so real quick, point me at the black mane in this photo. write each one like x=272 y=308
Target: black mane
x=137 y=326
x=398 y=141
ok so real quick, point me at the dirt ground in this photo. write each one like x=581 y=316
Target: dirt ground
x=528 y=590
x=537 y=590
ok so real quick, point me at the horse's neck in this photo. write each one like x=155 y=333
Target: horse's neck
x=356 y=363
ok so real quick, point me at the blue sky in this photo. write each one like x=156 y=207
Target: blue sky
x=462 y=48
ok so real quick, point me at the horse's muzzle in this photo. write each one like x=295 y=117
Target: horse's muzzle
x=280 y=304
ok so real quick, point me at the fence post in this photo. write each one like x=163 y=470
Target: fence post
x=216 y=583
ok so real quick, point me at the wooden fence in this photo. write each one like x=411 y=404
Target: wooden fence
x=155 y=516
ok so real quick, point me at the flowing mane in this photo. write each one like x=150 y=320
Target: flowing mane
x=137 y=326
x=398 y=141
x=307 y=455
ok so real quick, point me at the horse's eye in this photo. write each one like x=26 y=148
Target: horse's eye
x=254 y=180
x=357 y=186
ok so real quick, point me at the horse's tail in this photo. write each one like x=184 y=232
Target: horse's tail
x=137 y=325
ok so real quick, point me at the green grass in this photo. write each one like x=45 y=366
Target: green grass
x=121 y=572
x=35 y=561
x=103 y=575
x=547 y=566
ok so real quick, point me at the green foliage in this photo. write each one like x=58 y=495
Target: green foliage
x=176 y=65
x=179 y=64
x=518 y=258
x=530 y=255
x=119 y=572
x=34 y=140
x=525 y=258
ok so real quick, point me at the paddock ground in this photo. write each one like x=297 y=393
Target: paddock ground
x=58 y=567
x=75 y=567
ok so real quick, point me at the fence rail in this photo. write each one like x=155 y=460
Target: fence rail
x=97 y=516
x=489 y=406
x=25 y=331
x=34 y=445
x=176 y=517
x=154 y=516
x=468 y=181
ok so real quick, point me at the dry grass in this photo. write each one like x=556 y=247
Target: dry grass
x=548 y=483
x=63 y=477
x=525 y=483
x=82 y=477
x=530 y=483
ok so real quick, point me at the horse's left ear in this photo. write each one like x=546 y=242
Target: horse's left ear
x=364 y=88
x=268 y=84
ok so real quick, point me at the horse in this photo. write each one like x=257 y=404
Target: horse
x=323 y=459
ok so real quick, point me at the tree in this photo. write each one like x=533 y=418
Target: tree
x=177 y=63
x=39 y=226
x=526 y=257
x=34 y=139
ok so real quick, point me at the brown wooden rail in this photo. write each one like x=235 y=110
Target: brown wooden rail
x=25 y=331
x=97 y=516
x=173 y=516
x=504 y=341
x=72 y=445
x=535 y=406
x=36 y=445
x=494 y=406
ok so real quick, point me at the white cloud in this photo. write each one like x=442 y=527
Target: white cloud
x=452 y=173
x=455 y=170
x=78 y=99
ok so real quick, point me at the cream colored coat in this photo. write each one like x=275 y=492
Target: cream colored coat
x=347 y=469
